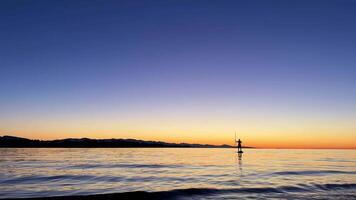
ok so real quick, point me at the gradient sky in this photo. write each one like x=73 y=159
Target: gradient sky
x=280 y=73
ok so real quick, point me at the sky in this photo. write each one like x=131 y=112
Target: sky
x=282 y=74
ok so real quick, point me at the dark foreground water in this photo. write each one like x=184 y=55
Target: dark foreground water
x=180 y=173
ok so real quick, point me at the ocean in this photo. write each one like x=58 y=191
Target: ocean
x=178 y=173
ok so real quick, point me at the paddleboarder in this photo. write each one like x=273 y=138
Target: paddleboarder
x=239 y=147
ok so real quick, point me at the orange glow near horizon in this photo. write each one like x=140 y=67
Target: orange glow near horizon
x=289 y=141
x=254 y=131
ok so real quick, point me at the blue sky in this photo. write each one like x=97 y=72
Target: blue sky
x=175 y=60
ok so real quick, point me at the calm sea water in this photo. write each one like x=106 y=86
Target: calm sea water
x=213 y=173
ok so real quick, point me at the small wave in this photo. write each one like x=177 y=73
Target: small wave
x=37 y=178
x=189 y=192
x=90 y=166
x=33 y=179
x=331 y=186
x=313 y=172
x=262 y=190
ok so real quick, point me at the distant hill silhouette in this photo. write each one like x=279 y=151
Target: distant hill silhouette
x=11 y=141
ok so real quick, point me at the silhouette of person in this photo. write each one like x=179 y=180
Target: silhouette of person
x=239 y=147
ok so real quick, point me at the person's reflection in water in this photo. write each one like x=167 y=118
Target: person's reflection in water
x=239 y=156
x=240 y=159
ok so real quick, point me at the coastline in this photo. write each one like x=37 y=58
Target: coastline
x=18 y=142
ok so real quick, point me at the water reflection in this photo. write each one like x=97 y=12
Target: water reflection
x=46 y=172
x=239 y=161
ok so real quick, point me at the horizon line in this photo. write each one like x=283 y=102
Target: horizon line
x=231 y=146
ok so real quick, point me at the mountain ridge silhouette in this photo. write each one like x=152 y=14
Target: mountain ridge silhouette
x=13 y=141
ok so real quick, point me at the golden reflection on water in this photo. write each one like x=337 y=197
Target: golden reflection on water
x=44 y=172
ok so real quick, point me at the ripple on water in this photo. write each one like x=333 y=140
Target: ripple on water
x=176 y=172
